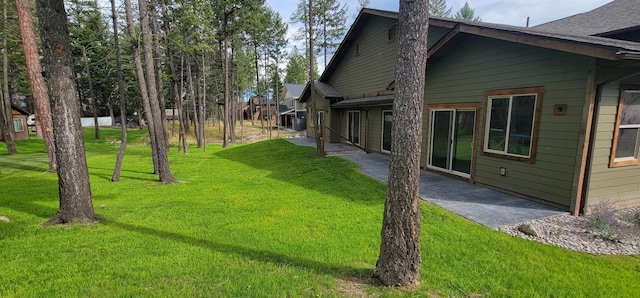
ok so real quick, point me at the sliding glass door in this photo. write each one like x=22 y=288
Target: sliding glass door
x=451 y=140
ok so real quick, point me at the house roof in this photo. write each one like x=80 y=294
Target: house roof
x=294 y=89
x=325 y=89
x=613 y=17
x=364 y=101
x=20 y=110
x=260 y=100
x=593 y=46
x=282 y=109
x=564 y=40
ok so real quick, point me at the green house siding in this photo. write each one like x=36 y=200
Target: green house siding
x=322 y=104
x=374 y=68
x=481 y=64
x=615 y=185
x=375 y=128
x=370 y=126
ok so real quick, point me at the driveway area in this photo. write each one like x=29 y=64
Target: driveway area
x=479 y=204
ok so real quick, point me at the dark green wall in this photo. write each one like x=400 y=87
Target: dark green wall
x=482 y=64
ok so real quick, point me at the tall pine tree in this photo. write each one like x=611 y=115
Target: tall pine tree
x=467 y=13
x=438 y=8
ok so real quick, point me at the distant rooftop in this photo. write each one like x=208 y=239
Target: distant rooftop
x=295 y=89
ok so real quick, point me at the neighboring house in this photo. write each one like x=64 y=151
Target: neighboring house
x=259 y=107
x=19 y=124
x=544 y=114
x=295 y=115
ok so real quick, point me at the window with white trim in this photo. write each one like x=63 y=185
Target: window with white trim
x=511 y=122
x=18 y=126
x=626 y=138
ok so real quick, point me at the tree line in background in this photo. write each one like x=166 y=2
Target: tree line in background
x=195 y=77
x=207 y=55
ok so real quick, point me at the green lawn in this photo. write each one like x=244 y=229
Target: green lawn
x=267 y=220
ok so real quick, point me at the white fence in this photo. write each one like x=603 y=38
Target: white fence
x=102 y=121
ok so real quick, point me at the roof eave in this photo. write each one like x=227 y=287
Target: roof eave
x=628 y=55
x=528 y=38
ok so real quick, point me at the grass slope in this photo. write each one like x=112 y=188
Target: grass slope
x=265 y=220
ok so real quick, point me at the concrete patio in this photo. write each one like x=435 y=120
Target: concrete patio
x=479 y=204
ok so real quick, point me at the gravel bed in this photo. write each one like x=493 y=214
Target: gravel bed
x=620 y=237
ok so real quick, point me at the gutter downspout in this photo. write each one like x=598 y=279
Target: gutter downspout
x=580 y=202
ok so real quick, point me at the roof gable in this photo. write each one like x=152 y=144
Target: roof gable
x=295 y=90
x=19 y=110
x=360 y=23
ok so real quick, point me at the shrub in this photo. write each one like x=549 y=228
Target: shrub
x=603 y=219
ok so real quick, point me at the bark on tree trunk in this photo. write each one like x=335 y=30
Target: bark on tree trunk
x=121 y=97
x=318 y=123
x=6 y=133
x=38 y=88
x=144 y=93
x=225 y=74
x=203 y=105
x=162 y=151
x=158 y=65
x=192 y=96
x=182 y=143
x=92 y=100
x=399 y=260
x=73 y=175
x=181 y=119
x=6 y=118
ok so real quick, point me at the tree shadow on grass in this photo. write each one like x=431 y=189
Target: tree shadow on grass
x=338 y=271
x=33 y=165
x=300 y=166
x=150 y=178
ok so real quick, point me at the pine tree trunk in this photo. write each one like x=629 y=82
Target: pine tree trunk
x=225 y=74
x=159 y=73
x=399 y=260
x=161 y=149
x=203 y=105
x=143 y=86
x=6 y=118
x=121 y=97
x=92 y=100
x=38 y=88
x=6 y=133
x=182 y=143
x=318 y=124
x=192 y=96
x=73 y=174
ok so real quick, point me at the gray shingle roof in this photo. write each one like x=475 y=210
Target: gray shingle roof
x=364 y=101
x=295 y=89
x=615 y=16
x=535 y=31
x=327 y=90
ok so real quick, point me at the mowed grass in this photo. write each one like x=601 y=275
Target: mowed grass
x=259 y=220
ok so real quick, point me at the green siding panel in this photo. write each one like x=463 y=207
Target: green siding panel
x=606 y=184
x=481 y=64
x=372 y=70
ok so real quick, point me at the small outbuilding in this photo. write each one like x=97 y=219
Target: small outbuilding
x=19 y=121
